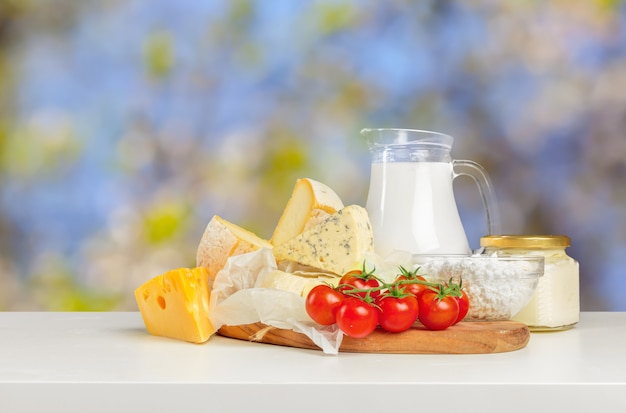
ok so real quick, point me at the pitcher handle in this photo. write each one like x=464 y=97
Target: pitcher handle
x=479 y=175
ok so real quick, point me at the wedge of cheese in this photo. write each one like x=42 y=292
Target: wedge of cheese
x=176 y=305
x=298 y=284
x=221 y=240
x=311 y=202
x=337 y=245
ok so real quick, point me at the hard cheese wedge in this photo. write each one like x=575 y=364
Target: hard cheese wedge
x=221 y=240
x=311 y=202
x=337 y=245
x=176 y=305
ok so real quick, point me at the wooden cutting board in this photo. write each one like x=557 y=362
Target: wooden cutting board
x=463 y=338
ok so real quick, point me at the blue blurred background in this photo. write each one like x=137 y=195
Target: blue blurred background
x=126 y=125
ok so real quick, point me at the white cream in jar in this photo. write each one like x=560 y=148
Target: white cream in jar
x=555 y=304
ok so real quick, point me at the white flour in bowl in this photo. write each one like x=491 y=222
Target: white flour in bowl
x=498 y=287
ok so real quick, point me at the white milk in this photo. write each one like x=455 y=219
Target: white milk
x=412 y=208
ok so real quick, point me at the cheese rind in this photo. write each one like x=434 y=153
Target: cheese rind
x=176 y=305
x=337 y=245
x=222 y=240
x=310 y=203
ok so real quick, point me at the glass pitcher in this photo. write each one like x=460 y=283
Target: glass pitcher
x=411 y=202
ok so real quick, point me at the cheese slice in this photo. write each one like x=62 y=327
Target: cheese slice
x=298 y=284
x=337 y=245
x=222 y=240
x=311 y=202
x=176 y=305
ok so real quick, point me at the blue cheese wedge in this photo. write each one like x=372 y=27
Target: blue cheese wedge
x=337 y=245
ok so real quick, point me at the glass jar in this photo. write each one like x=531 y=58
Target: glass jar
x=555 y=304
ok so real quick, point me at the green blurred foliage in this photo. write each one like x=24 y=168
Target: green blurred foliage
x=159 y=54
x=164 y=222
x=64 y=292
x=333 y=17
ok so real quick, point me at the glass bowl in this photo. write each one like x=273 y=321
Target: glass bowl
x=498 y=287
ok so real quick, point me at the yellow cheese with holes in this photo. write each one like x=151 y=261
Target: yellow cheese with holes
x=338 y=244
x=176 y=305
x=311 y=202
x=221 y=240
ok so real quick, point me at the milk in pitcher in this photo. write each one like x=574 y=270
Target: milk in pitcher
x=414 y=203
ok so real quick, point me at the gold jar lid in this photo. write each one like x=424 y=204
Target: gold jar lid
x=525 y=241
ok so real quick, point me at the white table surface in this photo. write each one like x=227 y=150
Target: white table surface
x=105 y=362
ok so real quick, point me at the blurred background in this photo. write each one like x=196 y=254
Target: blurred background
x=126 y=125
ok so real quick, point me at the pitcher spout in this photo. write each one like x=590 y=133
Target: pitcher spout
x=407 y=145
x=402 y=137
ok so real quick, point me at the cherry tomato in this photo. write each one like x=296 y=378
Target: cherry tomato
x=322 y=304
x=437 y=312
x=360 y=280
x=415 y=289
x=356 y=318
x=464 y=305
x=397 y=314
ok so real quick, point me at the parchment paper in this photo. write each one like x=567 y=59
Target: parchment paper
x=236 y=299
